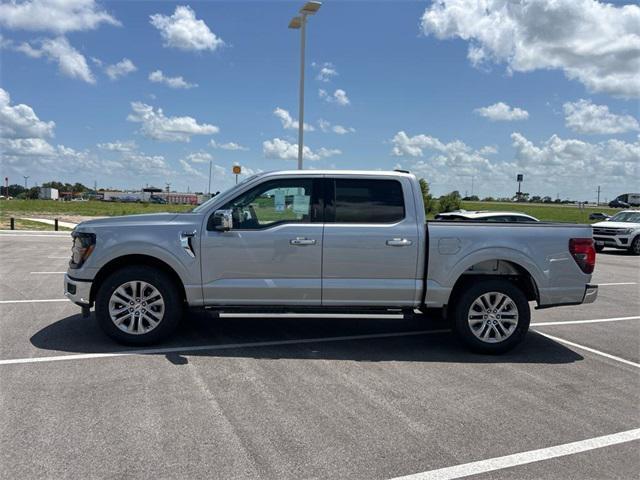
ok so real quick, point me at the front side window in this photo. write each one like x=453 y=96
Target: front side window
x=368 y=201
x=273 y=202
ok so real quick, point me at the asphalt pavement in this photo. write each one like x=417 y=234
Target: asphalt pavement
x=286 y=397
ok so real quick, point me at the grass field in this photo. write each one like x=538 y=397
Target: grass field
x=90 y=208
x=5 y=224
x=48 y=208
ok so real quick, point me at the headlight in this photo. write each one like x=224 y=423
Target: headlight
x=626 y=231
x=83 y=245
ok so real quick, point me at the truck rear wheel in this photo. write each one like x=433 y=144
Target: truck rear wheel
x=491 y=316
x=138 y=305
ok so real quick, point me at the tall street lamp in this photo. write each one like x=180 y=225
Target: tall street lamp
x=300 y=22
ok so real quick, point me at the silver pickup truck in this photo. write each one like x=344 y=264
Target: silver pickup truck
x=309 y=241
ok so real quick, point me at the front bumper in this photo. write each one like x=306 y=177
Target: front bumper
x=590 y=293
x=78 y=291
x=620 y=241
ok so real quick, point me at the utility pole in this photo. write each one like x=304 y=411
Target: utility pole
x=598 y=203
x=26 y=177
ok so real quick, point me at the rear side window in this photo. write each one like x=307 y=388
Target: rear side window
x=368 y=201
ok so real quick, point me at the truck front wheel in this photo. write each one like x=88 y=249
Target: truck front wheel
x=491 y=316
x=138 y=305
x=634 y=249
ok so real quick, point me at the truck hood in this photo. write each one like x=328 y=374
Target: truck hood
x=616 y=225
x=129 y=220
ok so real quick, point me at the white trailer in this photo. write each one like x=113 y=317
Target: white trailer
x=48 y=193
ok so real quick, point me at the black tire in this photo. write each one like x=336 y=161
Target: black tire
x=464 y=302
x=634 y=248
x=163 y=283
x=599 y=248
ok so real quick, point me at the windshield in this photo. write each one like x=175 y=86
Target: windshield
x=202 y=207
x=631 y=217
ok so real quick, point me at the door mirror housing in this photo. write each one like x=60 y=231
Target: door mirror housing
x=223 y=220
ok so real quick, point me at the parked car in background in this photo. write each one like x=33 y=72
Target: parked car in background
x=158 y=200
x=629 y=199
x=487 y=216
x=326 y=241
x=620 y=231
x=599 y=216
x=615 y=203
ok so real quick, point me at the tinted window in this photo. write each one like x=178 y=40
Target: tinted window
x=368 y=201
x=497 y=219
x=273 y=202
x=522 y=220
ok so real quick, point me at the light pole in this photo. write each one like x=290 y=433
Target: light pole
x=300 y=22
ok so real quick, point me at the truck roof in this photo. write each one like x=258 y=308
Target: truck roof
x=386 y=173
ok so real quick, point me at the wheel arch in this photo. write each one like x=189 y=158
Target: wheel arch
x=133 y=260
x=496 y=269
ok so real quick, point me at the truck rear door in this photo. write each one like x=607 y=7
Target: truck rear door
x=370 y=245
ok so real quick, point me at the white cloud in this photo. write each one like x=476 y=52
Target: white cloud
x=326 y=126
x=339 y=97
x=278 y=148
x=122 y=68
x=199 y=157
x=71 y=62
x=585 y=117
x=58 y=16
x=27 y=147
x=288 y=122
x=183 y=31
x=160 y=127
x=326 y=71
x=502 y=112
x=20 y=121
x=595 y=43
x=173 y=82
x=569 y=166
x=118 y=146
x=340 y=130
x=228 y=146
x=190 y=169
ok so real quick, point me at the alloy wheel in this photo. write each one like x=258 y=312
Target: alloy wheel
x=493 y=317
x=136 y=307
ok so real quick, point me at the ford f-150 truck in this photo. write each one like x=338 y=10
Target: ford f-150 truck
x=309 y=241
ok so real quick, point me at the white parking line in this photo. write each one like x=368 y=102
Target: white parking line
x=47 y=273
x=66 y=257
x=589 y=349
x=44 y=300
x=576 y=322
x=228 y=346
x=619 y=283
x=523 y=458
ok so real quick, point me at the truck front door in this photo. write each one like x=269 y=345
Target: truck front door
x=273 y=253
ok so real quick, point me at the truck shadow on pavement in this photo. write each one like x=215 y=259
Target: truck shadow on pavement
x=75 y=334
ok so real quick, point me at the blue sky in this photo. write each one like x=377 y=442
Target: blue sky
x=448 y=93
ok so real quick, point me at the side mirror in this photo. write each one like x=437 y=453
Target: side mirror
x=223 y=220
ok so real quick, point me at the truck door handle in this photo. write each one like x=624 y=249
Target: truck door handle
x=399 y=242
x=302 y=241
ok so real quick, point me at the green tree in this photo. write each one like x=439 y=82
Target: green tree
x=429 y=202
x=450 y=202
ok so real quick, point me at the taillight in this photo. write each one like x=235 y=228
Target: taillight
x=584 y=253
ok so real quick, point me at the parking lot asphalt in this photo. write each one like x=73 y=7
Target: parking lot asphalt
x=313 y=397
